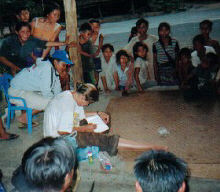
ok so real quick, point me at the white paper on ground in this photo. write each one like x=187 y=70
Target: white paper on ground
x=101 y=126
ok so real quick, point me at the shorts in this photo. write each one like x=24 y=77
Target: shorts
x=34 y=99
x=108 y=143
x=97 y=63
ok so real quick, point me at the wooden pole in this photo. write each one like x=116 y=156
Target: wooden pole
x=71 y=30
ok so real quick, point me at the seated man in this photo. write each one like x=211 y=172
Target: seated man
x=39 y=84
x=160 y=171
x=48 y=165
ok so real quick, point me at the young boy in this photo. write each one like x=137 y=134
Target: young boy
x=200 y=50
x=85 y=49
x=97 y=41
x=206 y=29
x=23 y=14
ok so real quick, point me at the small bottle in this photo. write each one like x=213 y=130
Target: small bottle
x=90 y=157
x=105 y=162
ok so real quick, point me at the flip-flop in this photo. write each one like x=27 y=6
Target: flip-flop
x=11 y=136
x=25 y=125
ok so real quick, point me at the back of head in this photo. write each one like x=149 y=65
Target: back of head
x=89 y=91
x=85 y=27
x=160 y=171
x=47 y=162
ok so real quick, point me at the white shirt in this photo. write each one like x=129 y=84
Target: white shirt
x=108 y=70
x=142 y=64
x=196 y=60
x=151 y=39
x=41 y=77
x=60 y=114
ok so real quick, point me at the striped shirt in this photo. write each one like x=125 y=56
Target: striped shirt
x=172 y=49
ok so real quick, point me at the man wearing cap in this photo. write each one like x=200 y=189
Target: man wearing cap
x=39 y=83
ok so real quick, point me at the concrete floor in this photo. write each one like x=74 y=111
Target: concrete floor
x=119 y=179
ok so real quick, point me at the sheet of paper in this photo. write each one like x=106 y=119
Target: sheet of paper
x=101 y=126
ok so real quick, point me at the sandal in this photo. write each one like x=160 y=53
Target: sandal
x=11 y=136
x=25 y=125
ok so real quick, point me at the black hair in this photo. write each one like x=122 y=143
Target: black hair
x=20 y=9
x=164 y=24
x=132 y=33
x=94 y=21
x=21 y=24
x=160 y=171
x=199 y=38
x=85 y=27
x=185 y=51
x=135 y=49
x=50 y=7
x=140 y=21
x=212 y=59
x=106 y=46
x=46 y=163
x=119 y=54
x=89 y=91
x=206 y=22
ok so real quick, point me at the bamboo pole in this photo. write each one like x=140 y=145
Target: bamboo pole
x=71 y=30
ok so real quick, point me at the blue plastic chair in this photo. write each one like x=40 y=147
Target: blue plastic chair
x=4 y=85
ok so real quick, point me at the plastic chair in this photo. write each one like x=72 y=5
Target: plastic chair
x=4 y=85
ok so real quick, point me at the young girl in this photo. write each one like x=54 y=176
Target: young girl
x=141 y=73
x=46 y=28
x=165 y=54
x=108 y=64
x=122 y=75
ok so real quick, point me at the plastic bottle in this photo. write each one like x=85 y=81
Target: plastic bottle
x=105 y=162
x=90 y=157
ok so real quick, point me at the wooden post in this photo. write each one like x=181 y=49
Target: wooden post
x=71 y=30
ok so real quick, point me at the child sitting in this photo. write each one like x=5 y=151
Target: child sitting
x=108 y=63
x=123 y=75
x=165 y=54
x=141 y=73
x=184 y=67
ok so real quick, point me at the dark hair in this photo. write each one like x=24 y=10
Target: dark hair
x=89 y=91
x=160 y=171
x=121 y=53
x=21 y=24
x=164 y=24
x=140 y=21
x=212 y=59
x=94 y=21
x=50 y=7
x=199 y=38
x=206 y=22
x=20 y=9
x=185 y=51
x=106 y=46
x=85 y=27
x=135 y=49
x=46 y=163
x=132 y=33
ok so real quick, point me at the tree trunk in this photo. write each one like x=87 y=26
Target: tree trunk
x=71 y=30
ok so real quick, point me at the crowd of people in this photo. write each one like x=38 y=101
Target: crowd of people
x=43 y=80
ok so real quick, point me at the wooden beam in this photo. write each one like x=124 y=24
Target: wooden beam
x=71 y=30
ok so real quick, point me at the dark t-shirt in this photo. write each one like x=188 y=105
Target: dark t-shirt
x=15 y=52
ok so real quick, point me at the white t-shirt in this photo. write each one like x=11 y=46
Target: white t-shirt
x=151 y=39
x=196 y=60
x=108 y=70
x=142 y=64
x=60 y=114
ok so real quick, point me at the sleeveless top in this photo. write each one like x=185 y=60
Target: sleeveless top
x=44 y=33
